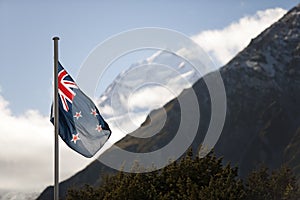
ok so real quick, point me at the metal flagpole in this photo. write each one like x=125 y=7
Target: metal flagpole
x=56 y=114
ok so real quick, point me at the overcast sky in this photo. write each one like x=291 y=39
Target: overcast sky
x=26 y=52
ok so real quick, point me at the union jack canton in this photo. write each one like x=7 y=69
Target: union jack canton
x=81 y=126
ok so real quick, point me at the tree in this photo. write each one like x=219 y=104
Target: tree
x=278 y=185
x=194 y=178
x=179 y=180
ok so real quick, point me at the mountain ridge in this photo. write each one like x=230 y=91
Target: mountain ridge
x=262 y=123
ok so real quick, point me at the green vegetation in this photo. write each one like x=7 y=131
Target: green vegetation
x=194 y=178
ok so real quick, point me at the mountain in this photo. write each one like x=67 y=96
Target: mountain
x=12 y=195
x=263 y=92
x=122 y=100
x=262 y=123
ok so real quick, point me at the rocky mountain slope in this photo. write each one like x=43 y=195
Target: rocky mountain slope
x=262 y=123
x=135 y=81
x=263 y=92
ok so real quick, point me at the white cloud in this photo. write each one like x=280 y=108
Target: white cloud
x=221 y=44
x=151 y=58
x=26 y=151
x=157 y=96
x=224 y=44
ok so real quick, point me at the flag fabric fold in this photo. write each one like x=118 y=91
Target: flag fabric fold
x=81 y=126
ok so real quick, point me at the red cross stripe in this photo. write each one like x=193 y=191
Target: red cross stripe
x=64 y=89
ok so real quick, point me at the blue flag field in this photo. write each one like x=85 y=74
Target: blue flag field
x=81 y=126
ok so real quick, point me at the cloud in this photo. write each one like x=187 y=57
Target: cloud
x=158 y=96
x=26 y=151
x=224 y=44
x=152 y=58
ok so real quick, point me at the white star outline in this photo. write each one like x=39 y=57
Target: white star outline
x=75 y=137
x=77 y=115
x=98 y=128
x=94 y=112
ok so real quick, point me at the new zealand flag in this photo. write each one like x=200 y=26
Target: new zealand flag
x=80 y=124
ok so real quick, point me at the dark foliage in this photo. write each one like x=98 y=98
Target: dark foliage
x=193 y=178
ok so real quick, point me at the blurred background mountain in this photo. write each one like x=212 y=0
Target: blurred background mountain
x=263 y=112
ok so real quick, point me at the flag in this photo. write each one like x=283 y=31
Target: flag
x=81 y=126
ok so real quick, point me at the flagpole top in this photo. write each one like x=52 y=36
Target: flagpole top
x=55 y=38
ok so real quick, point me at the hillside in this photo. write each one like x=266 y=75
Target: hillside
x=263 y=112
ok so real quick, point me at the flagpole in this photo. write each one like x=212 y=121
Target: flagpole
x=56 y=115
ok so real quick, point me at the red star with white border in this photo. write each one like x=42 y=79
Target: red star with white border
x=99 y=128
x=75 y=138
x=77 y=115
x=94 y=112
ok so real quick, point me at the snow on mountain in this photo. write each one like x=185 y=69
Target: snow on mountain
x=272 y=54
x=263 y=113
x=145 y=86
